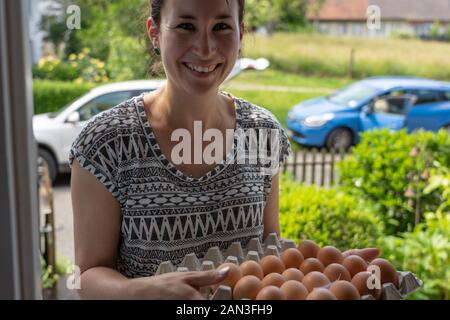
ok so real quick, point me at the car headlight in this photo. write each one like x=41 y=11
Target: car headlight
x=318 y=120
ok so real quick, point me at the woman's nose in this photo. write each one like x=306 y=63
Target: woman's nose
x=205 y=45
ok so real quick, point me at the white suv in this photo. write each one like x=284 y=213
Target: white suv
x=55 y=132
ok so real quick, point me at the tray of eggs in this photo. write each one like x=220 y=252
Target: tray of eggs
x=279 y=269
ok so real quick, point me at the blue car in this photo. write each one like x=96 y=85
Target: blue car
x=336 y=121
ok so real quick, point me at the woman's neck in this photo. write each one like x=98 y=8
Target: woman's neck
x=181 y=110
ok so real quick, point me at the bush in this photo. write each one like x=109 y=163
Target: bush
x=328 y=217
x=50 y=96
x=390 y=169
x=52 y=68
x=127 y=59
x=79 y=68
x=426 y=252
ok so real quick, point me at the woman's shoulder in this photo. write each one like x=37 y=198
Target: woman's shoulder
x=122 y=115
x=257 y=116
x=103 y=129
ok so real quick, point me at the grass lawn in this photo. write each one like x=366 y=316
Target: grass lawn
x=272 y=77
x=321 y=55
x=279 y=103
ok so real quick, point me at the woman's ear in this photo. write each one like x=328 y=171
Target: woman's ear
x=241 y=30
x=153 y=32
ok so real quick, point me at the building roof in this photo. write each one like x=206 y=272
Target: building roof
x=391 y=10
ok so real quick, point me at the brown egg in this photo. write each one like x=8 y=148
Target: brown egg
x=328 y=255
x=360 y=283
x=294 y=290
x=311 y=264
x=273 y=279
x=252 y=268
x=388 y=271
x=344 y=290
x=292 y=258
x=308 y=248
x=270 y=264
x=293 y=274
x=315 y=279
x=247 y=287
x=321 y=294
x=271 y=293
x=233 y=275
x=354 y=264
x=337 y=271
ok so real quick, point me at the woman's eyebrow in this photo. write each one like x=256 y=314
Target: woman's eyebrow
x=218 y=17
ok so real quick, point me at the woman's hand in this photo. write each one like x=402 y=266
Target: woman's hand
x=368 y=254
x=175 y=286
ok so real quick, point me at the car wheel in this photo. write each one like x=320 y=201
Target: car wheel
x=47 y=160
x=339 y=139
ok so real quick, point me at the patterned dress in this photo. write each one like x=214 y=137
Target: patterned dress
x=165 y=213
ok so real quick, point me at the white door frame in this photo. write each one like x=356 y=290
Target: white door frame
x=19 y=229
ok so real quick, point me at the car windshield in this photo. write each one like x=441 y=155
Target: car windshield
x=353 y=95
x=58 y=112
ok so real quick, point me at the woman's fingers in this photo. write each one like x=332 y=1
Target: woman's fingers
x=367 y=254
x=206 y=278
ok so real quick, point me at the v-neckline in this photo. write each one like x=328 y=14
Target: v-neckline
x=155 y=147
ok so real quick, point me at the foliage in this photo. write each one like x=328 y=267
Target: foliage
x=426 y=252
x=48 y=276
x=125 y=61
x=79 y=68
x=440 y=180
x=328 y=217
x=435 y=31
x=379 y=171
x=51 y=96
x=52 y=68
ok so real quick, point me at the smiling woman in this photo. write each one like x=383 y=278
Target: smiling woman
x=136 y=207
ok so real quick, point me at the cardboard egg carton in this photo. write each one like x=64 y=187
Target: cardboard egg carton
x=255 y=250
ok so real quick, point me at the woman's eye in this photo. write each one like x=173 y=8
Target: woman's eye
x=186 y=26
x=221 y=26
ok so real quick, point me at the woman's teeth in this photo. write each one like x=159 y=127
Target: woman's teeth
x=201 y=69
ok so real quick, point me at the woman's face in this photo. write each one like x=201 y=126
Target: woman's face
x=199 y=42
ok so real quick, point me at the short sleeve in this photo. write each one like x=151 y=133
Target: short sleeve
x=96 y=150
x=285 y=146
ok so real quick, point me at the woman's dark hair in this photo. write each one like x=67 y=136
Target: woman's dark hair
x=157 y=5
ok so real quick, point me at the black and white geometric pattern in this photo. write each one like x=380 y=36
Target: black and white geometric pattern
x=165 y=213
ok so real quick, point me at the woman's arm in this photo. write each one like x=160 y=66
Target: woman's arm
x=271 y=211
x=97 y=222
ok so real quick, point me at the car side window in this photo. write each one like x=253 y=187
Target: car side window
x=427 y=96
x=394 y=102
x=139 y=92
x=102 y=103
x=447 y=95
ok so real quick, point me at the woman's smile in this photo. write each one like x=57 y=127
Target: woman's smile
x=202 y=71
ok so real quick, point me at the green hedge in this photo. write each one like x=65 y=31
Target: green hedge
x=328 y=217
x=50 y=96
x=426 y=252
x=383 y=165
